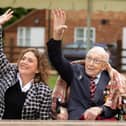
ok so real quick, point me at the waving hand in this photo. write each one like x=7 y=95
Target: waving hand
x=59 y=18
x=6 y=16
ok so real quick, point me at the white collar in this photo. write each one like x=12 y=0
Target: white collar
x=26 y=87
x=97 y=78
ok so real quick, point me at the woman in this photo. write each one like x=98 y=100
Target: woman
x=24 y=93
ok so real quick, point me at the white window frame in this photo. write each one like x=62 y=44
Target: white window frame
x=26 y=36
x=84 y=37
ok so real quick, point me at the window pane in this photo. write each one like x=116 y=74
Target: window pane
x=80 y=41
x=27 y=37
x=80 y=33
x=91 y=33
x=20 y=36
x=39 y=36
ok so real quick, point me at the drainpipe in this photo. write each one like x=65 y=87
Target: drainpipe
x=49 y=24
x=89 y=11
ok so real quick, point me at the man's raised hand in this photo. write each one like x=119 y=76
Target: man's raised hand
x=59 y=19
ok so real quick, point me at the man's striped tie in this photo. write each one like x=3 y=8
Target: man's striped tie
x=92 y=87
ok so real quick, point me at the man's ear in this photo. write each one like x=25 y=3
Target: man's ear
x=104 y=66
x=103 y=69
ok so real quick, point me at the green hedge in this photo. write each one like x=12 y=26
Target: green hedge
x=52 y=80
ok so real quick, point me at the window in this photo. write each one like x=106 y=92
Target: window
x=81 y=35
x=31 y=36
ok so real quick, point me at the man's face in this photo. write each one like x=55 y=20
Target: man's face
x=94 y=64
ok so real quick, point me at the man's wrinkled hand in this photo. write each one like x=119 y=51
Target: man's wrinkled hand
x=59 y=19
x=92 y=113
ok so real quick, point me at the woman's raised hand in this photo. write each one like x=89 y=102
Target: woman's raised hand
x=6 y=16
x=59 y=18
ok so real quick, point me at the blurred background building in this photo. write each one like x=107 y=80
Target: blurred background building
x=89 y=22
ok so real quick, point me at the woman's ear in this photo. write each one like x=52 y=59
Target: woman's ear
x=37 y=71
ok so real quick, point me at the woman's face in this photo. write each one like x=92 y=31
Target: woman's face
x=28 y=65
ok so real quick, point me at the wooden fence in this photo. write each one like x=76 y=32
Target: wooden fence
x=123 y=60
x=13 y=52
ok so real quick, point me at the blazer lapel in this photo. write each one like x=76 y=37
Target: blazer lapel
x=31 y=94
x=103 y=82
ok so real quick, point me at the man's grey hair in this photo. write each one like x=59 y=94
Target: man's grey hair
x=100 y=51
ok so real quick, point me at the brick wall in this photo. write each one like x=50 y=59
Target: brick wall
x=108 y=25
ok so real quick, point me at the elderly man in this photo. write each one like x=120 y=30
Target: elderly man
x=87 y=83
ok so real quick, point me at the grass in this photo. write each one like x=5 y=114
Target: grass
x=52 y=80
